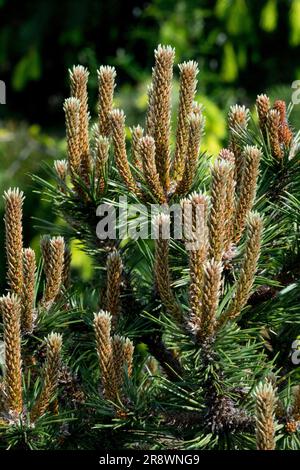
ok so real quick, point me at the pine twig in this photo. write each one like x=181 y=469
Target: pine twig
x=102 y=327
x=195 y=124
x=238 y=118
x=212 y=272
x=51 y=374
x=29 y=268
x=197 y=251
x=263 y=106
x=79 y=79
x=137 y=133
x=118 y=137
x=101 y=158
x=227 y=155
x=113 y=287
x=285 y=134
x=61 y=169
x=72 y=109
x=265 y=411
x=147 y=153
x=11 y=312
x=217 y=214
x=296 y=404
x=273 y=126
x=66 y=273
x=159 y=110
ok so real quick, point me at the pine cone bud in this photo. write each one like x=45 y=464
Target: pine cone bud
x=79 y=80
x=106 y=79
x=159 y=110
x=29 y=268
x=188 y=83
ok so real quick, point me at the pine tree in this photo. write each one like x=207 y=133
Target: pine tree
x=183 y=340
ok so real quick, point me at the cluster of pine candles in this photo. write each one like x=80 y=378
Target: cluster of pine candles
x=152 y=172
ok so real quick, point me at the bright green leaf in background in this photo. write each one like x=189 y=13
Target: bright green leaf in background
x=229 y=70
x=295 y=23
x=269 y=16
x=221 y=8
x=238 y=18
x=237 y=15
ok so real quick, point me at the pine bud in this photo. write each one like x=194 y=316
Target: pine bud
x=61 y=168
x=11 y=310
x=118 y=362
x=101 y=158
x=66 y=274
x=227 y=155
x=29 y=268
x=197 y=257
x=265 y=422
x=79 y=80
x=72 y=110
x=252 y=156
x=273 y=126
x=210 y=299
x=102 y=327
x=136 y=133
x=296 y=404
x=122 y=352
x=147 y=152
x=248 y=268
x=195 y=125
x=13 y=199
x=238 y=122
x=285 y=134
x=53 y=263
x=128 y=349
x=216 y=220
x=159 y=110
x=118 y=136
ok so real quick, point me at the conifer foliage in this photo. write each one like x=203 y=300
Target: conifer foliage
x=181 y=342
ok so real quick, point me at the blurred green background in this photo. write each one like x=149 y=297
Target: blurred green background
x=243 y=47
